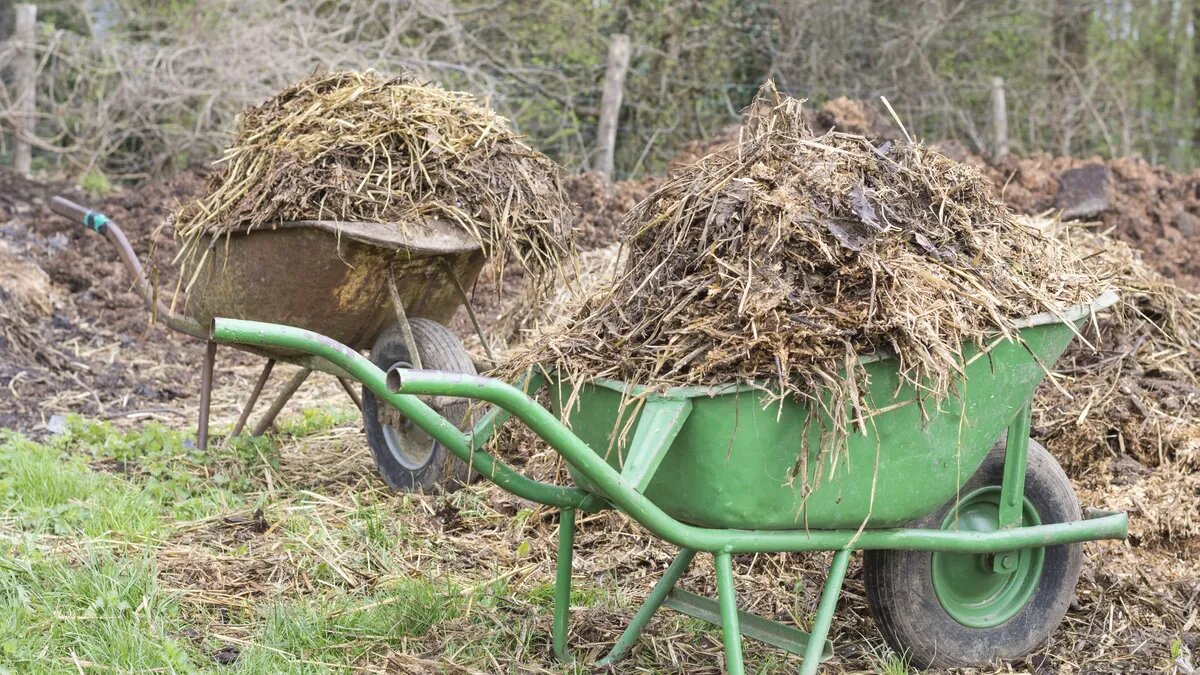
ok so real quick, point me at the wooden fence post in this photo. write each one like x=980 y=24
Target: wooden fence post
x=999 y=117
x=25 y=99
x=610 y=103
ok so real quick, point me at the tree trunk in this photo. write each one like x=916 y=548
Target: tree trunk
x=610 y=103
x=1195 y=77
x=1069 y=30
x=24 y=74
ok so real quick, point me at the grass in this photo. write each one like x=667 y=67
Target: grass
x=57 y=613
x=129 y=551
x=892 y=664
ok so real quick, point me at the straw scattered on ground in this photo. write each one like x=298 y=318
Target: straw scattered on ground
x=781 y=261
x=1122 y=417
x=360 y=146
x=1137 y=392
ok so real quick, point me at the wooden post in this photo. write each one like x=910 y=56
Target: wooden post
x=999 y=117
x=24 y=72
x=610 y=103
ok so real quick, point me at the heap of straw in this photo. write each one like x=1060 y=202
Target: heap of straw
x=359 y=146
x=1138 y=392
x=780 y=261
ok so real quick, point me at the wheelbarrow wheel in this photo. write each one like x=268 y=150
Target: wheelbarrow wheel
x=953 y=610
x=407 y=458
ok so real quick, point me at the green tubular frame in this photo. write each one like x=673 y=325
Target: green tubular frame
x=400 y=389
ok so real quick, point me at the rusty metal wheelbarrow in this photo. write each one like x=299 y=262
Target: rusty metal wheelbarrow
x=380 y=287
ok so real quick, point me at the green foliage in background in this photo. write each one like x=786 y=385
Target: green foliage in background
x=137 y=87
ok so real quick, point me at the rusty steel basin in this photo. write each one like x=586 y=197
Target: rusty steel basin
x=332 y=278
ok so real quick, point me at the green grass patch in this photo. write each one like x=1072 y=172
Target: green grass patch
x=339 y=632
x=315 y=420
x=48 y=490
x=101 y=609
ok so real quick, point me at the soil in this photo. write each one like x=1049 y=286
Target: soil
x=84 y=340
x=1150 y=207
x=601 y=204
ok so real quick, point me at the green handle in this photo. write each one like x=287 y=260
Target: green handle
x=466 y=447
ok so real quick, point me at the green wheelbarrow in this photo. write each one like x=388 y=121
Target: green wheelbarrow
x=971 y=532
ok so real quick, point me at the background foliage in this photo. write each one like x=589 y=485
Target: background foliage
x=132 y=87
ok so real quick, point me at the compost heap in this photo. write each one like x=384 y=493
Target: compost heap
x=780 y=262
x=359 y=146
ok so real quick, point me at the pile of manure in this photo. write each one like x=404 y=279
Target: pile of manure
x=360 y=146
x=1138 y=392
x=780 y=261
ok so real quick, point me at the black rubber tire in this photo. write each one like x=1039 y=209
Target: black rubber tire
x=906 y=609
x=439 y=350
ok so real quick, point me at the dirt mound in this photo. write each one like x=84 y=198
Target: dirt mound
x=87 y=344
x=601 y=204
x=856 y=117
x=27 y=300
x=1148 y=206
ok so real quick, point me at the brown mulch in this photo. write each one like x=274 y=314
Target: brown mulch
x=100 y=354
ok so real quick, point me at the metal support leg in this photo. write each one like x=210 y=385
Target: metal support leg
x=648 y=608
x=825 y=610
x=402 y=320
x=727 y=598
x=562 y=584
x=351 y=392
x=277 y=405
x=206 y=383
x=254 y=394
x=466 y=301
x=1012 y=487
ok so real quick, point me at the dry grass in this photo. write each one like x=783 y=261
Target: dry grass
x=1137 y=393
x=781 y=261
x=360 y=146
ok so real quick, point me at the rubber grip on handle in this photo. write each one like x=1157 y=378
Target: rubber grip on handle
x=93 y=220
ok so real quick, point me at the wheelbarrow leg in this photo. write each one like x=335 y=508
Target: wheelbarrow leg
x=206 y=383
x=562 y=584
x=254 y=394
x=825 y=610
x=280 y=401
x=653 y=601
x=727 y=598
x=349 y=389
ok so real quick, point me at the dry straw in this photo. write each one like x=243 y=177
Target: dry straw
x=782 y=259
x=359 y=146
x=1138 y=392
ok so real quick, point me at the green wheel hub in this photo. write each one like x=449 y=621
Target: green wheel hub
x=967 y=585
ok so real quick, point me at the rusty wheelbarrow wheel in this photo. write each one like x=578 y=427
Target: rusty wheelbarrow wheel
x=407 y=458
x=954 y=610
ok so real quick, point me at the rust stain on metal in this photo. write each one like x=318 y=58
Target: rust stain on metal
x=306 y=277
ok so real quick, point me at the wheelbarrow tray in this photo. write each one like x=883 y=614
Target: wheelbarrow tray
x=332 y=277
x=724 y=454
